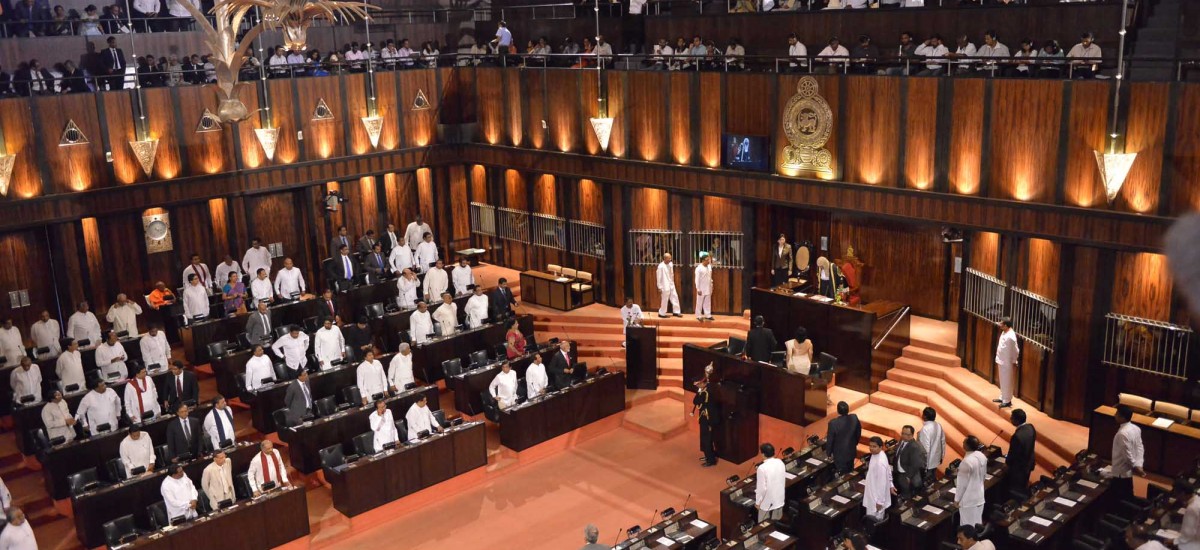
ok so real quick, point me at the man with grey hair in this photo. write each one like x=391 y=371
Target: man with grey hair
x=400 y=373
x=19 y=535
x=591 y=534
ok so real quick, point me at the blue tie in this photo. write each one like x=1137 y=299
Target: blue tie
x=378 y=261
x=346 y=261
x=221 y=426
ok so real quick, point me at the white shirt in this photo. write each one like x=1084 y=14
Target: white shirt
x=631 y=315
x=504 y=36
x=289 y=281
x=830 y=51
x=703 y=280
x=329 y=346
x=195 y=301
x=798 y=52
x=384 y=428
x=769 y=485
x=879 y=485
x=275 y=467
x=419 y=419
x=660 y=51
x=983 y=545
x=400 y=371
x=476 y=310
x=928 y=51
x=293 y=350
x=447 y=317
x=202 y=273
x=46 y=334
x=26 y=382
x=400 y=258
x=1007 y=351
x=137 y=454
x=258 y=368
x=1189 y=532
x=420 y=325
x=18 y=537
x=969 y=483
x=225 y=417
x=371 y=379
x=406 y=290
x=105 y=355
x=427 y=253
x=1127 y=452
x=223 y=271
x=999 y=50
x=178 y=495
x=261 y=289
x=12 y=346
x=435 y=285
x=504 y=388
x=149 y=398
x=54 y=417
x=69 y=369
x=536 y=379
x=255 y=259
x=84 y=326
x=414 y=234
x=933 y=439
x=665 y=277
x=5 y=496
x=155 y=350
x=462 y=277
x=1079 y=51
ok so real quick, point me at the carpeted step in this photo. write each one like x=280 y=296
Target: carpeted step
x=939 y=347
x=932 y=356
x=897 y=403
x=914 y=378
x=918 y=366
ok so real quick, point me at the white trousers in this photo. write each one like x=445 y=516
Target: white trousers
x=673 y=298
x=970 y=515
x=703 y=306
x=1006 y=382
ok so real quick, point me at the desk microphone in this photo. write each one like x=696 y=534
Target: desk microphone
x=992 y=441
x=685 y=501
x=652 y=514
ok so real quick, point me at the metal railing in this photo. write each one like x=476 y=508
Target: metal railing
x=512 y=224
x=483 y=219
x=902 y=313
x=1145 y=345
x=724 y=247
x=548 y=231
x=683 y=7
x=984 y=296
x=1034 y=318
x=587 y=239
x=646 y=246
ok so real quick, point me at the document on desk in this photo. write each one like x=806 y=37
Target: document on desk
x=665 y=541
x=1065 y=502
x=799 y=295
x=1088 y=484
x=813 y=462
x=822 y=299
x=790 y=476
x=561 y=280
x=932 y=509
x=1162 y=423
x=1167 y=534
x=699 y=524
x=1041 y=521
x=778 y=536
x=840 y=499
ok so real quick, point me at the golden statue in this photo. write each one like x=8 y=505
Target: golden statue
x=228 y=54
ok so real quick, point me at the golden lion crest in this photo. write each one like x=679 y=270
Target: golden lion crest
x=807 y=122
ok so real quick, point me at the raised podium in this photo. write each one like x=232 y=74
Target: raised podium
x=641 y=358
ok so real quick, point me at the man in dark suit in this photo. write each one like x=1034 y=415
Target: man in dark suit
x=341 y=269
x=182 y=388
x=501 y=301
x=376 y=262
x=259 y=324
x=760 y=341
x=298 y=400
x=841 y=441
x=184 y=436
x=562 y=368
x=342 y=238
x=113 y=60
x=358 y=337
x=910 y=462
x=1020 y=456
x=367 y=243
x=389 y=239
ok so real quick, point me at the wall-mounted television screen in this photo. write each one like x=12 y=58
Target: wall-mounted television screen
x=746 y=152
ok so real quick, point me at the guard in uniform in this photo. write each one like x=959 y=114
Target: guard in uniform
x=703 y=404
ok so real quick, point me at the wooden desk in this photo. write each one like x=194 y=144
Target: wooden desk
x=271 y=397
x=547 y=290
x=271 y=520
x=527 y=424
x=763 y=535
x=682 y=531
x=375 y=480
x=350 y=304
x=133 y=350
x=93 y=508
x=846 y=332
x=788 y=396
x=1168 y=451
x=196 y=336
x=806 y=468
x=306 y=440
x=1064 y=510
x=468 y=386
x=227 y=367
x=428 y=357
x=925 y=521
x=387 y=330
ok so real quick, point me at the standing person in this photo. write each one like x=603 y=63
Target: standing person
x=329 y=344
x=462 y=277
x=267 y=467
x=590 y=535
x=436 y=281
x=665 y=277
x=26 y=382
x=46 y=333
x=824 y=278
x=446 y=316
x=969 y=539
x=933 y=439
x=195 y=300
x=218 y=424
x=781 y=264
x=841 y=440
x=141 y=397
x=56 y=417
x=770 y=484
x=799 y=352
x=536 y=379
x=84 y=327
x=383 y=426
x=234 y=294
x=1189 y=531
x=401 y=257
x=156 y=351
x=400 y=370
x=877 y=496
x=414 y=233
x=709 y=417
x=1007 y=354
x=18 y=535
x=123 y=315
x=704 y=288
x=406 y=287
x=256 y=257
x=760 y=341
x=968 y=494
x=226 y=267
x=1128 y=454
x=476 y=308
x=910 y=463
x=217 y=480
x=426 y=252
x=179 y=493
x=1020 y=456
x=420 y=323
x=504 y=387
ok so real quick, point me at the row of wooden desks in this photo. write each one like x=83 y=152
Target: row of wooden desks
x=133 y=350
x=271 y=520
x=805 y=469
x=93 y=508
x=553 y=414
x=469 y=386
x=682 y=530
x=429 y=356
x=1168 y=450
x=788 y=396
x=271 y=397
x=1053 y=516
x=763 y=536
x=375 y=480
x=928 y=519
x=197 y=335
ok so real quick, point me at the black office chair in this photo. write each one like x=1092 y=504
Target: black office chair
x=244 y=342
x=332 y=456
x=452 y=367
x=239 y=380
x=826 y=362
x=115 y=469
x=404 y=337
x=282 y=372
x=161 y=458
x=120 y=531
x=491 y=410
x=280 y=332
x=241 y=486
x=351 y=396
x=83 y=481
x=402 y=430
x=158 y=515
x=216 y=350
x=280 y=416
x=501 y=351
x=522 y=391
x=440 y=415
x=311 y=324
x=374 y=311
x=480 y=358
x=312 y=365
x=325 y=406
x=364 y=443
x=349 y=354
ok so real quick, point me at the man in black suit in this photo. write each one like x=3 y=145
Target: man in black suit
x=341 y=269
x=113 y=60
x=358 y=337
x=841 y=441
x=910 y=462
x=376 y=262
x=259 y=324
x=298 y=400
x=342 y=238
x=389 y=239
x=501 y=301
x=562 y=368
x=182 y=388
x=184 y=436
x=760 y=341
x=367 y=243
x=1020 y=456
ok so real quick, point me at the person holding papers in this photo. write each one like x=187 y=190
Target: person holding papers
x=420 y=418
x=383 y=426
x=504 y=387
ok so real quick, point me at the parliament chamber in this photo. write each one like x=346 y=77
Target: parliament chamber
x=786 y=291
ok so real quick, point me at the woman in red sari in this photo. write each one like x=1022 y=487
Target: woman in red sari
x=514 y=341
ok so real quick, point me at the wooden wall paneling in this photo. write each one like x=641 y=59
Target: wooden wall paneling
x=545 y=200
x=402 y=197
x=70 y=266
x=985 y=253
x=1086 y=134
x=617 y=109
x=901 y=262
x=239 y=225
x=460 y=211
x=119 y=124
x=720 y=214
x=122 y=243
x=647 y=109
x=492 y=105
x=516 y=196
x=787 y=88
x=1185 y=185
x=162 y=122
x=533 y=89
x=218 y=215
x=16 y=121
x=710 y=122
x=274 y=222
x=513 y=111
x=954 y=283
x=286 y=102
x=420 y=126
x=251 y=153
x=326 y=227
x=192 y=230
x=458 y=93
x=73 y=167
x=746 y=113
x=1077 y=366
x=589 y=107
x=425 y=198
x=617 y=221
x=873 y=130
x=680 y=132
x=1145 y=131
x=1039 y=267
x=920 y=133
x=323 y=138
x=355 y=109
x=651 y=212
x=94 y=257
x=361 y=209
x=390 y=107
x=27 y=267
x=562 y=112
x=966 y=135
x=591 y=202
x=1026 y=116
x=1142 y=286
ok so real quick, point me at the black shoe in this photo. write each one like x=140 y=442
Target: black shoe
x=664 y=316
x=709 y=464
x=1005 y=405
x=679 y=315
x=710 y=318
x=997 y=401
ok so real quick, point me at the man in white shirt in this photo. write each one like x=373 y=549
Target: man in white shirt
x=179 y=494
x=401 y=258
x=502 y=40
x=631 y=316
x=261 y=288
x=267 y=467
x=141 y=397
x=99 y=407
x=56 y=417
x=704 y=288
x=256 y=257
x=195 y=300
x=83 y=325
x=769 y=485
x=477 y=308
x=406 y=287
x=665 y=279
x=1084 y=57
x=797 y=54
x=504 y=386
x=992 y=48
x=877 y=496
x=383 y=426
x=1189 y=531
x=462 y=277
x=415 y=233
x=1007 y=354
x=435 y=282
x=426 y=252
x=420 y=418
x=933 y=439
x=26 y=382
x=289 y=280
x=969 y=539
x=201 y=271
x=12 y=346
x=155 y=348
x=226 y=268
x=329 y=345
x=420 y=323
x=46 y=333
x=218 y=424
x=18 y=535
x=111 y=357
x=404 y=55
x=536 y=378
x=293 y=348
x=968 y=493
x=1128 y=454
x=662 y=54
x=934 y=50
x=446 y=315
x=258 y=368
x=278 y=63
x=137 y=451
x=835 y=54
x=372 y=381
x=964 y=50
x=69 y=368
x=400 y=373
